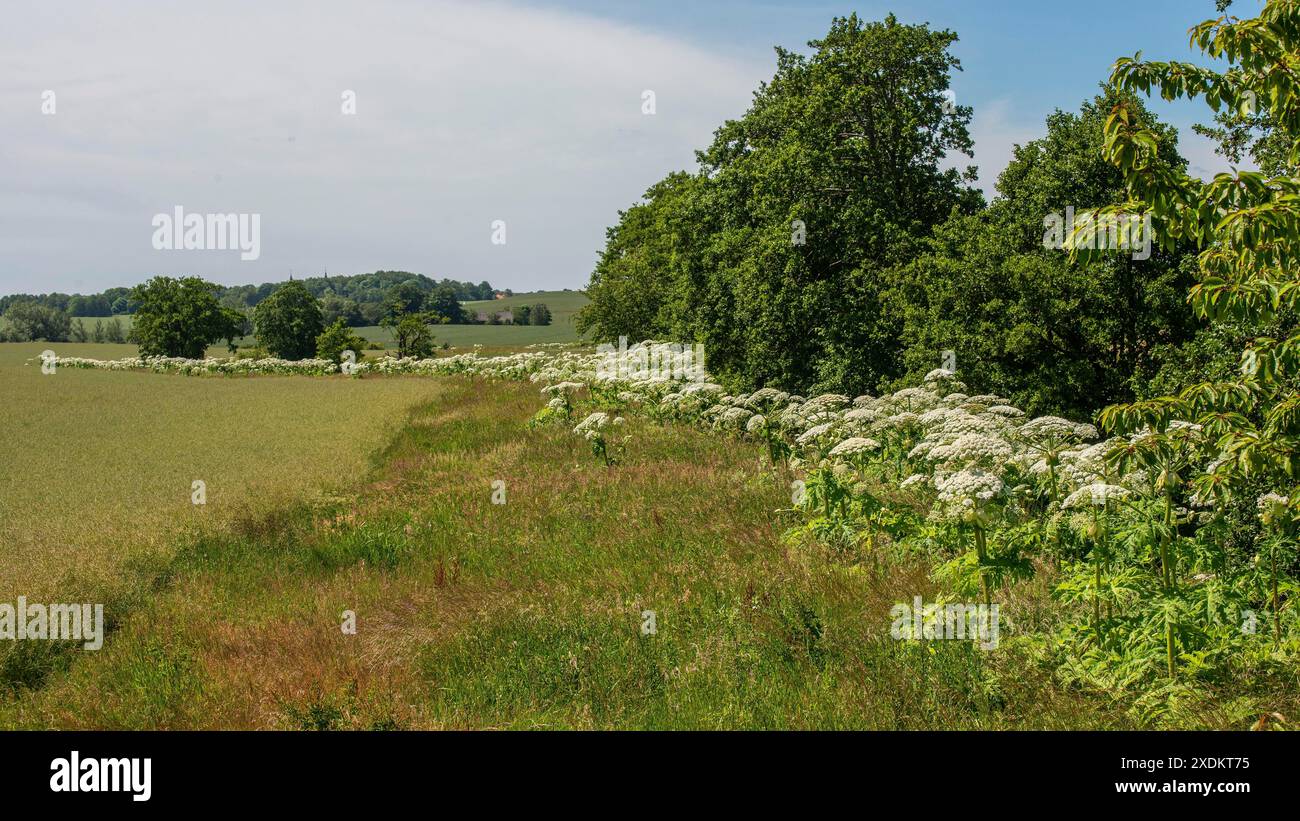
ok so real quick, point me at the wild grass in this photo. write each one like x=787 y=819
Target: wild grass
x=529 y=614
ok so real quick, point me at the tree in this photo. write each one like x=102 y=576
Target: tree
x=632 y=287
x=539 y=314
x=1024 y=321
x=414 y=338
x=1247 y=225
x=181 y=317
x=404 y=298
x=93 y=305
x=334 y=307
x=442 y=301
x=32 y=322
x=336 y=339
x=523 y=315
x=773 y=254
x=113 y=331
x=288 y=322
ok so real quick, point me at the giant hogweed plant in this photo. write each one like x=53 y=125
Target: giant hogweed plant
x=1247 y=225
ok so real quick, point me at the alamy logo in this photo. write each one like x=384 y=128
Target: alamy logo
x=964 y=622
x=1099 y=232
x=77 y=774
x=54 y=622
x=658 y=360
x=180 y=231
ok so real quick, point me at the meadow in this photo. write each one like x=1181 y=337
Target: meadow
x=526 y=614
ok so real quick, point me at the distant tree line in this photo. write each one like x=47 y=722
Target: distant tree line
x=359 y=300
x=538 y=314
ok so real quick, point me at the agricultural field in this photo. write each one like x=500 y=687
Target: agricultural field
x=98 y=467
x=563 y=305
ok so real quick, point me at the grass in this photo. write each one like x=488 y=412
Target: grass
x=563 y=304
x=527 y=614
x=471 y=614
x=496 y=336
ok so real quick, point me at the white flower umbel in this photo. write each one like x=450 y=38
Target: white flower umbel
x=1097 y=494
x=854 y=446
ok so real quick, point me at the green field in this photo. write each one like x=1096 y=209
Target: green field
x=375 y=496
x=98 y=466
x=563 y=304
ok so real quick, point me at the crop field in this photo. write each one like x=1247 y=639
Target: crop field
x=496 y=336
x=98 y=467
x=563 y=304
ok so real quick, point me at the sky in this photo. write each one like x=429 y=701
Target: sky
x=486 y=140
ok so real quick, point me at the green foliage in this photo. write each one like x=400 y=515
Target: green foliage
x=288 y=322
x=1248 y=227
x=359 y=298
x=181 y=317
x=442 y=301
x=773 y=253
x=1055 y=335
x=412 y=333
x=334 y=307
x=110 y=331
x=336 y=339
x=404 y=298
x=32 y=322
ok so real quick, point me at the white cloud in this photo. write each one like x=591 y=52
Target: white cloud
x=467 y=112
x=996 y=133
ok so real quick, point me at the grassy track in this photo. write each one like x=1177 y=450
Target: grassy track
x=526 y=614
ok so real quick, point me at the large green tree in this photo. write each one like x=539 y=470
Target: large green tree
x=773 y=254
x=443 y=302
x=32 y=322
x=288 y=322
x=412 y=333
x=181 y=317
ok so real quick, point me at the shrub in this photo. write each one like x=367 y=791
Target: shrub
x=336 y=339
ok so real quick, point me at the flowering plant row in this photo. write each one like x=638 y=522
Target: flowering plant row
x=1155 y=578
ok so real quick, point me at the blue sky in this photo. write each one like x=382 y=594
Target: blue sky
x=467 y=112
x=1023 y=58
